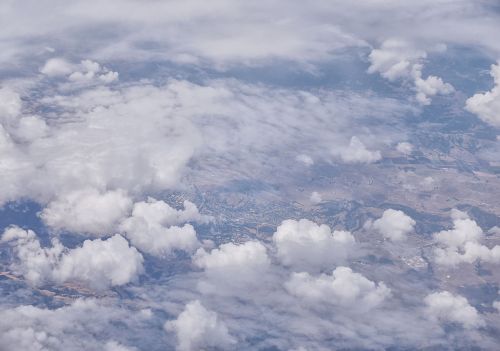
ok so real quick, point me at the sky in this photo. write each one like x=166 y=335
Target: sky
x=234 y=175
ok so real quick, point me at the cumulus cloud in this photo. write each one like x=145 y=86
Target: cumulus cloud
x=305 y=245
x=89 y=70
x=394 y=225
x=97 y=263
x=356 y=152
x=487 y=105
x=315 y=197
x=30 y=128
x=198 y=328
x=80 y=325
x=105 y=147
x=10 y=105
x=399 y=60
x=343 y=288
x=116 y=346
x=305 y=159
x=152 y=227
x=56 y=67
x=496 y=305
x=462 y=243
x=404 y=148
x=450 y=308
x=233 y=267
x=87 y=211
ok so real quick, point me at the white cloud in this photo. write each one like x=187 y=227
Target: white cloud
x=89 y=70
x=30 y=128
x=305 y=159
x=152 y=227
x=450 y=308
x=357 y=152
x=394 y=225
x=10 y=105
x=399 y=60
x=57 y=67
x=80 y=325
x=315 y=197
x=342 y=288
x=116 y=346
x=404 y=148
x=198 y=328
x=105 y=146
x=463 y=243
x=496 y=305
x=87 y=211
x=304 y=245
x=233 y=267
x=97 y=263
x=487 y=105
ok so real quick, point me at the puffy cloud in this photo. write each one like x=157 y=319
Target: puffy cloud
x=57 y=67
x=80 y=325
x=30 y=128
x=450 y=308
x=404 y=148
x=487 y=105
x=87 y=211
x=357 y=152
x=462 y=243
x=198 y=328
x=105 y=147
x=233 y=266
x=305 y=159
x=36 y=264
x=116 y=346
x=399 y=60
x=304 y=245
x=152 y=227
x=101 y=263
x=97 y=263
x=10 y=105
x=394 y=225
x=496 y=305
x=89 y=70
x=429 y=86
x=342 y=288
x=394 y=59
x=315 y=197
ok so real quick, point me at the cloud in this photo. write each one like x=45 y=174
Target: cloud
x=399 y=60
x=233 y=267
x=487 y=105
x=98 y=263
x=57 y=67
x=305 y=245
x=116 y=346
x=79 y=325
x=89 y=70
x=305 y=159
x=315 y=197
x=404 y=148
x=357 y=152
x=105 y=147
x=394 y=225
x=450 y=308
x=152 y=227
x=462 y=243
x=10 y=105
x=87 y=211
x=198 y=328
x=342 y=288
